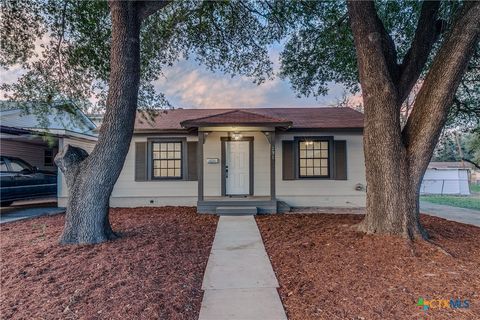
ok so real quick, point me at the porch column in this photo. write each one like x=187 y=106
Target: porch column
x=272 y=165
x=201 y=141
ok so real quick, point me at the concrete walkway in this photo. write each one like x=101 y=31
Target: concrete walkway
x=239 y=281
x=462 y=215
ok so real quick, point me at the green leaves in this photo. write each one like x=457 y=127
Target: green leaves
x=64 y=46
x=72 y=42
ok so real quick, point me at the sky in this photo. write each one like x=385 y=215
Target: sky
x=189 y=85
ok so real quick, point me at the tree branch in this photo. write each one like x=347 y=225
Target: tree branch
x=434 y=99
x=376 y=53
x=426 y=34
x=68 y=161
x=147 y=8
x=470 y=161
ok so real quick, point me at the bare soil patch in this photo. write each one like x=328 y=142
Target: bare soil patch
x=326 y=270
x=154 y=271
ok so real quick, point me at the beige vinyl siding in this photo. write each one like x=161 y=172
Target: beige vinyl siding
x=130 y=193
x=324 y=192
x=297 y=193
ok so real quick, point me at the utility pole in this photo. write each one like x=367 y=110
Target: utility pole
x=460 y=151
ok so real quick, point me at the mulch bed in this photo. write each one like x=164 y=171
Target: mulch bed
x=327 y=270
x=154 y=271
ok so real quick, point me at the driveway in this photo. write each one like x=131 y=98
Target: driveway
x=21 y=210
x=462 y=215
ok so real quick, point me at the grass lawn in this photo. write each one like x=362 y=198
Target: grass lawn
x=455 y=201
x=154 y=271
x=327 y=270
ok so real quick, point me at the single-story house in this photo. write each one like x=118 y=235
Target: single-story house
x=37 y=140
x=265 y=160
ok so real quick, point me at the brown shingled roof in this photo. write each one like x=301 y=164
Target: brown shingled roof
x=300 y=118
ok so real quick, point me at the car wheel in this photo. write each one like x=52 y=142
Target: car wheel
x=6 y=203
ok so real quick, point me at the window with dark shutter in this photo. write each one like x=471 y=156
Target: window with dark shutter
x=288 y=160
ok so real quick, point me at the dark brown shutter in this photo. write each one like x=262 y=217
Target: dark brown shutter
x=192 y=160
x=288 y=160
x=340 y=158
x=140 y=161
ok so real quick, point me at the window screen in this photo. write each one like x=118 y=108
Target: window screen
x=167 y=159
x=313 y=159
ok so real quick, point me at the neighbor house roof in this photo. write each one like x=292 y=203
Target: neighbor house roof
x=450 y=165
x=60 y=116
x=294 y=118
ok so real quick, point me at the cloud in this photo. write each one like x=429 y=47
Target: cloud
x=191 y=86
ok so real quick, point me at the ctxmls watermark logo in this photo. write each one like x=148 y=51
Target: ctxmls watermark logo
x=443 y=303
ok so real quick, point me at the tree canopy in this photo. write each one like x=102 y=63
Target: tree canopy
x=64 y=46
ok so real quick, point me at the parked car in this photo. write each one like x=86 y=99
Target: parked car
x=20 y=181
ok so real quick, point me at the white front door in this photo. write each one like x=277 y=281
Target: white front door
x=237 y=167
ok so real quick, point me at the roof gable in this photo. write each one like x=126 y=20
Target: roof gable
x=237 y=117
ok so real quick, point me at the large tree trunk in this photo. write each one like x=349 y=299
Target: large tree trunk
x=90 y=178
x=396 y=159
x=392 y=194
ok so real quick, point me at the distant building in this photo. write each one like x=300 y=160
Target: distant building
x=446 y=181
x=473 y=172
x=38 y=139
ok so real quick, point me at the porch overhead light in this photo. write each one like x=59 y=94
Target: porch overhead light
x=236 y=136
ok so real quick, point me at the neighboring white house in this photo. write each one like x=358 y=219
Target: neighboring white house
x=250 y=158
x=37 y=140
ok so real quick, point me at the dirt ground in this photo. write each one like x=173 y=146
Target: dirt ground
x=326 y=270
x=154 y=271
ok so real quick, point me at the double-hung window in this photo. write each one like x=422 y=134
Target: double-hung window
x=313 y=159
x=167 y=160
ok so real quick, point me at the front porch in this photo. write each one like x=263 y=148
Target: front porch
x=236 y=162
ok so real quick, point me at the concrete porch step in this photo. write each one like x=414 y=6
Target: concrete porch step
x=237 y=211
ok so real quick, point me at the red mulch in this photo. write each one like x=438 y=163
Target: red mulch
x=326 y=270
x=154 y=271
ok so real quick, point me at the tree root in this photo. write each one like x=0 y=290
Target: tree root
x=440 y=248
